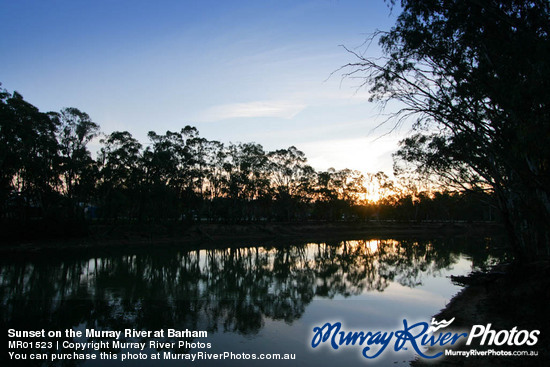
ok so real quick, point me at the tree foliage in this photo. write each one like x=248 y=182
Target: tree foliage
x=28 y=155
x=474 y=75
x=50 y=180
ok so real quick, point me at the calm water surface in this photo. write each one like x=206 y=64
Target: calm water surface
x=250 y=299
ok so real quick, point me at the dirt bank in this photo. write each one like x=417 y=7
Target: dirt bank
x=214 y=234
x=507 y=297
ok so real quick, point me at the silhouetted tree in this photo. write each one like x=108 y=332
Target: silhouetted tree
x=48 y=174
x=121 y=175
x=288 y=174
x=77 y=168
x=28 y=158
x=478 y=72
x=169 y=164
x=247 y=178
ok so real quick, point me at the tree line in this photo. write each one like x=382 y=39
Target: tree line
x=49 y=177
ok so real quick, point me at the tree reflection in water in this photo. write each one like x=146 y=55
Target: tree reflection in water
x=229 y=290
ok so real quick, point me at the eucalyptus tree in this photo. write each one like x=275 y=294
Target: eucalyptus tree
x=326 y=196
x=29 y=159
x=163 y=158
x=350 y=185
x=159 y=196
x=215 y=160
x=77 y=168
x=474 y=76
x=199 y=150
x=287 y=170
x=210 y=175
x=286 y=167
x=246 y=169
x=174 y=160
x=171 y=172
x=121 y=175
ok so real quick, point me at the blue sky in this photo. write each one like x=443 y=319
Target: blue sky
x=239 y=71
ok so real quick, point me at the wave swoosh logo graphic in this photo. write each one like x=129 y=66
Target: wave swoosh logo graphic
x=439 y=325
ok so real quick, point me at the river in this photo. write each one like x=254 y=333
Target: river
x=251 y=300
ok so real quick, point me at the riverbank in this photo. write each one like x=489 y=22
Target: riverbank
x=269 y=233
x=506 y=297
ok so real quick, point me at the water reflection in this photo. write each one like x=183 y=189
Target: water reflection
x=220 y=290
